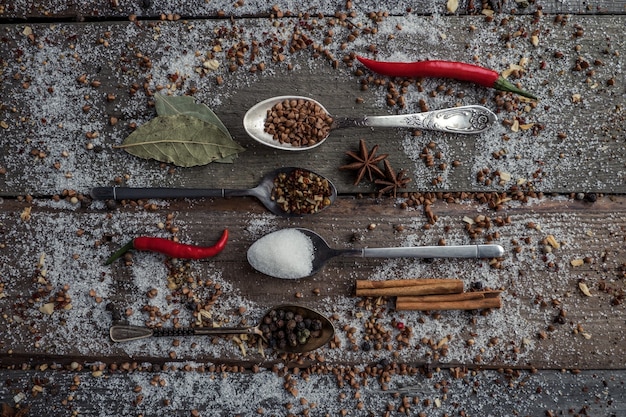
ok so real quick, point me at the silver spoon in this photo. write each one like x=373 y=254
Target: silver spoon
x=263 y=192
x=464 y=120
x=126 y=333
x=289 y=256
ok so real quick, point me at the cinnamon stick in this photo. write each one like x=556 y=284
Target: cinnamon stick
x=390 y=283
x=474 y=295
x=460 y=304
x=449 y=286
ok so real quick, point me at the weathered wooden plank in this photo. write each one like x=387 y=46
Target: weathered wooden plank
x=546 y=321
x=52 y=252
x=179 y=393
x=114 y=9
x=44 y=151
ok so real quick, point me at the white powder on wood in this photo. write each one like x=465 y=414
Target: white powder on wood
x=286 y=253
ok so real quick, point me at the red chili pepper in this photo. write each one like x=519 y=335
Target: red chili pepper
x=445 y=69
x=171 y=249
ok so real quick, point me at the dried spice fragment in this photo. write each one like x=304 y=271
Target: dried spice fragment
x=550 y=239
x=452 y=5
x=47 y=308
x=17 y=411
x=301 y=192
x=584 y=289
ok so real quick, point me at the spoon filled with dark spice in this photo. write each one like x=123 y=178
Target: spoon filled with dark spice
x=286 y=328
x=298 y=123
x=285 y=191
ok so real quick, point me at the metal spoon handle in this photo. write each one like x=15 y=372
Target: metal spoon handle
x=129 y=193
x=463 y=251
x=125 y=333
x=465 y=120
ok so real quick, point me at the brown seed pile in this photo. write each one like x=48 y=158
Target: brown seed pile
x=298 y=122
x=301 y=192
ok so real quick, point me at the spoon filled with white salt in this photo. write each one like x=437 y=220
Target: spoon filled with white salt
x=298 y=253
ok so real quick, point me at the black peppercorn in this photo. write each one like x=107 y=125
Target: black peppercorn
x=286 y=328
x=591 y=197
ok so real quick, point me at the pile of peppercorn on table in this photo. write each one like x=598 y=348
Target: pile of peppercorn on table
x=536 y=331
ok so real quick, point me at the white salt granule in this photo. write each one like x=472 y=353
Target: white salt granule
x=286 y=253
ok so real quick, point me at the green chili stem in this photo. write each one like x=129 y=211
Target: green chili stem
x=503 y=84
x=121 y=251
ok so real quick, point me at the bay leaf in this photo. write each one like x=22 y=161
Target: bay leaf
x=181 y=140
x=173 y=105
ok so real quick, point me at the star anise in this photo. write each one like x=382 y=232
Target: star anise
x=366 y=162
x=393 y=181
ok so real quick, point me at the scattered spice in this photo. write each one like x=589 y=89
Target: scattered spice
x=301 y=192
x=298 y=122
x=584 y=288
x=17 y=411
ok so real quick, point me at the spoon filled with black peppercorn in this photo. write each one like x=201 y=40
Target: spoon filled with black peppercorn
x=285 y=191
x=298 y=123
x=285 y=328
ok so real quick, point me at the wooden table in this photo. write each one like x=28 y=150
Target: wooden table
x=549 y=177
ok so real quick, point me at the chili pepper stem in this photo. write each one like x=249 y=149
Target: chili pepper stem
x=503 y=84
x=121 y=251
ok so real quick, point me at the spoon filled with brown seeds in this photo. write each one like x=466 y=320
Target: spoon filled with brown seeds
x=298 y=123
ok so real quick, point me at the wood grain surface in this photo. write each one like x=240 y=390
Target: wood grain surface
x=546 y=182
x=578 y=153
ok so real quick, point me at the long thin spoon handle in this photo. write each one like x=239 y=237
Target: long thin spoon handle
x=463 y=251
x=129 y=193
x=465 y=120
x=126 y=333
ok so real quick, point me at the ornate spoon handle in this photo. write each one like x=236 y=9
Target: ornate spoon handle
x=464 y=120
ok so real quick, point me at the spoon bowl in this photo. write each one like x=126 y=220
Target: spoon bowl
x=263 y=192
x=299 y=253
x=321 y=334
x=462 y=120
x=254 y=123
